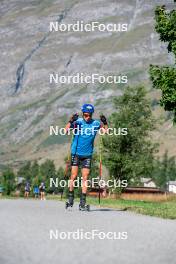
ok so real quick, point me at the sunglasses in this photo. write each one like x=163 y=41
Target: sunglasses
x=87 y=115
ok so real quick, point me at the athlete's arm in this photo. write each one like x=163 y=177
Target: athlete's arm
x=104 y=123
x=71 y=121
x=67 y=126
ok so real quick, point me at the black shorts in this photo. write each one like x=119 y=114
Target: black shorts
x=84 y=162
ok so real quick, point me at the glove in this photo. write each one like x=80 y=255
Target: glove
x=103 y=120
x=73 y=118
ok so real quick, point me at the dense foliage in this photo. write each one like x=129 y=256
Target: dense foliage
x=164 y=77
x=130 y=156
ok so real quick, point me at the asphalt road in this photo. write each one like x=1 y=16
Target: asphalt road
x=42 y=232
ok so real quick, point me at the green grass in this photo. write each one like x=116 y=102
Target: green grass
x=158 y=209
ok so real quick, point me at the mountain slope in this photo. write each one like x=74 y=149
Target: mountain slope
x=29 y=104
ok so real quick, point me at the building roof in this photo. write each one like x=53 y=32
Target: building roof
x=146 y=180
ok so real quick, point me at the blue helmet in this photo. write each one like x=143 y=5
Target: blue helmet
x=87 y=108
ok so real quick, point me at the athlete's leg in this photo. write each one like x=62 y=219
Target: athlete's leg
x=74 y=174
x=86 y=165
x=85 y=175
x=74 y=171
x=42 y=195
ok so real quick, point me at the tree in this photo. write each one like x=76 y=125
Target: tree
x=129 y=157
x=34 y=169
x=36 y=181
x=164 y=170
x=58 y=176
x=25 y=171
x=47 y=170
x=164 y=78
x=8 y=181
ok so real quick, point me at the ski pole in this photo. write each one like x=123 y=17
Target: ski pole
x=68 y=158
x=67 y=165
x=100 y=169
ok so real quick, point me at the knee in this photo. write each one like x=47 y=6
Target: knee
x=85 y=176
x=73 y=176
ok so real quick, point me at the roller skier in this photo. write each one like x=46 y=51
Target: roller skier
x=82 y=149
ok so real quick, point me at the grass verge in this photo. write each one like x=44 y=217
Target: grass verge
x=165 y=210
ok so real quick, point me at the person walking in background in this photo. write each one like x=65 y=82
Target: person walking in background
x=36 y=191
x=42 y=191
x=27 y=189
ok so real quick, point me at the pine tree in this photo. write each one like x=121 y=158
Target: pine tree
x=8 y=181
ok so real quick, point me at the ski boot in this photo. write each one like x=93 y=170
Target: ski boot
x=70 y=200
x=83 y=206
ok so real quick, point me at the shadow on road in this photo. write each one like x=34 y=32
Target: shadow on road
x=108 y=210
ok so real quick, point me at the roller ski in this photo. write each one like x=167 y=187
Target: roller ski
x=70 y=201
x=83 y=206
x=67 y=204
